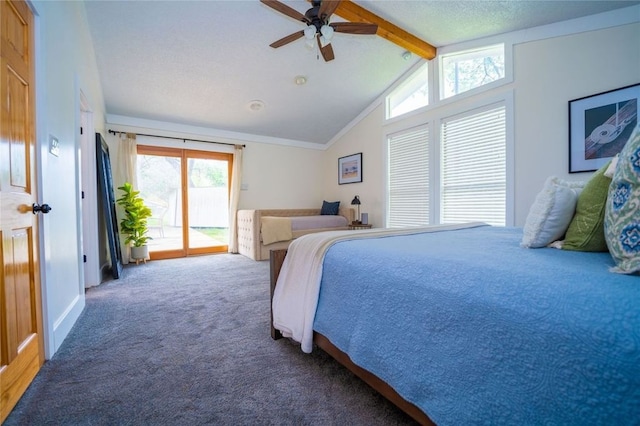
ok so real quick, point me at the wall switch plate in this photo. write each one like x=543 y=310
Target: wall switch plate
x=54 y=146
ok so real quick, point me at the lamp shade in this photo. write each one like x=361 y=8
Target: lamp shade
x=310 y=32
x=327 y=32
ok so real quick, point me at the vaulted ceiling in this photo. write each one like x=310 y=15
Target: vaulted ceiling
x=209 y=64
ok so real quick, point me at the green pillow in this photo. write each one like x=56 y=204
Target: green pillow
x=622 y=217
x=586 y=230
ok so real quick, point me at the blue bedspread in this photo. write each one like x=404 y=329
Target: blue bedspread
x=473 y=329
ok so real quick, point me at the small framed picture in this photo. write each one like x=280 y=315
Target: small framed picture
x=350 y=169
x=600 y=125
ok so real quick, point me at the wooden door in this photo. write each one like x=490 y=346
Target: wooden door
x=21 y=340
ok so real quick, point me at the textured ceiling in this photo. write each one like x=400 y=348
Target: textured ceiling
x=202 y=63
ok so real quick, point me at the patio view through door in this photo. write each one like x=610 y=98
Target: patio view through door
x=188 y=193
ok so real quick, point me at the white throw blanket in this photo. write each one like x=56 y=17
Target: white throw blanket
x=296 y=294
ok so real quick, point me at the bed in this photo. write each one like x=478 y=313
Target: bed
x=254 y=244
x=459 y=324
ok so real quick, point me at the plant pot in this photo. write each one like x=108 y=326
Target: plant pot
x=140 y=253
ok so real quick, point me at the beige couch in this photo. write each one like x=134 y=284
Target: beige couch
x=249 y=237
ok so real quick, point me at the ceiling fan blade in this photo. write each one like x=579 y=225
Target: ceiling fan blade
x=288 y=39
x=327 y=7
x=327 y=51
x=355 y=27
x=283 y=8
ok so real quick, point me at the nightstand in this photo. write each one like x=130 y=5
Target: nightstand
x=359 y=226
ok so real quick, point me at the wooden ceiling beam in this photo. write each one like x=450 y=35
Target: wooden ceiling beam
x=354 y=13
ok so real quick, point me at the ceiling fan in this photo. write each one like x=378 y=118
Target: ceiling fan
x=318 y=26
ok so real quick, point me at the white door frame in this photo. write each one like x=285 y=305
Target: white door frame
x=88 y=196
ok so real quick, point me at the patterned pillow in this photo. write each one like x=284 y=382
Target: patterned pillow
x=586 y=230
x=622 y=216
x=330 y=208
x=550 y=213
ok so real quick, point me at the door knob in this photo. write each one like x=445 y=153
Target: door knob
x=44 y=209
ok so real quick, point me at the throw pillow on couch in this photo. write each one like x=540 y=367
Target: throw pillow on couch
x=330 y=208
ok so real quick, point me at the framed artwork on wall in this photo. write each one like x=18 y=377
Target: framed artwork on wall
x=600 y=125
x=350 y=169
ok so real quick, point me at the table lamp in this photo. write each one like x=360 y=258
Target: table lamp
x=356 y=202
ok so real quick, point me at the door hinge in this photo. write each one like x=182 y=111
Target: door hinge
x=82 y=192
x=84 y=258
x=81 y=130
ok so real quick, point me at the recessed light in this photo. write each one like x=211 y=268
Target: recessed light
x=300 y=80
x=256 y=105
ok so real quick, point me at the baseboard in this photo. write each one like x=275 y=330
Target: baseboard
x=65 y=322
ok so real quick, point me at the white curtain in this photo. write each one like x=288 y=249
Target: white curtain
x=127 y=157
x=127 y=164
x=236 y=182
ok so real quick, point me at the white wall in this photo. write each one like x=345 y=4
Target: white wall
x=274 y=175
x=65 y=65
x=367 y=138
x=548 y=73
x=280 y=176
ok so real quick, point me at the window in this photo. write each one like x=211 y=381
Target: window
x=470 y=172
x=408 y=184
x=463 y=71
x=412 y=94
x=453 y=167
x=473 y=172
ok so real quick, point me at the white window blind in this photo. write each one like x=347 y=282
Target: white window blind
x=408 y=178
x=473 y=186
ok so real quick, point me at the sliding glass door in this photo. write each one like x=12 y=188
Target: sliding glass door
x=188 y=193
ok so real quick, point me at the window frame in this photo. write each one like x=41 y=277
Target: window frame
x=431 y=115
x=435 y=78
x=433 y=119
x=442 y=57
x=422 y=65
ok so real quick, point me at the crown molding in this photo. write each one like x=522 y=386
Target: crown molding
x=207 y=132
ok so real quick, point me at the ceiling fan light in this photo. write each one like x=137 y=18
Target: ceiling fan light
x=310 y=43
x=310 y=32
x=324 y=41
x=327 y=32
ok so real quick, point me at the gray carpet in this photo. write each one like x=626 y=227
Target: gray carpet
x=186 y=341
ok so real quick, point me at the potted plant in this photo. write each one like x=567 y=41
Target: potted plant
x=134 y=224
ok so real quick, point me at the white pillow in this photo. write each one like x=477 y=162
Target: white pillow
x=612 y=167
x=551 y=212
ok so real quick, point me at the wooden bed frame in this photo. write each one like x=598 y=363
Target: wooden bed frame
x=276 y=259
